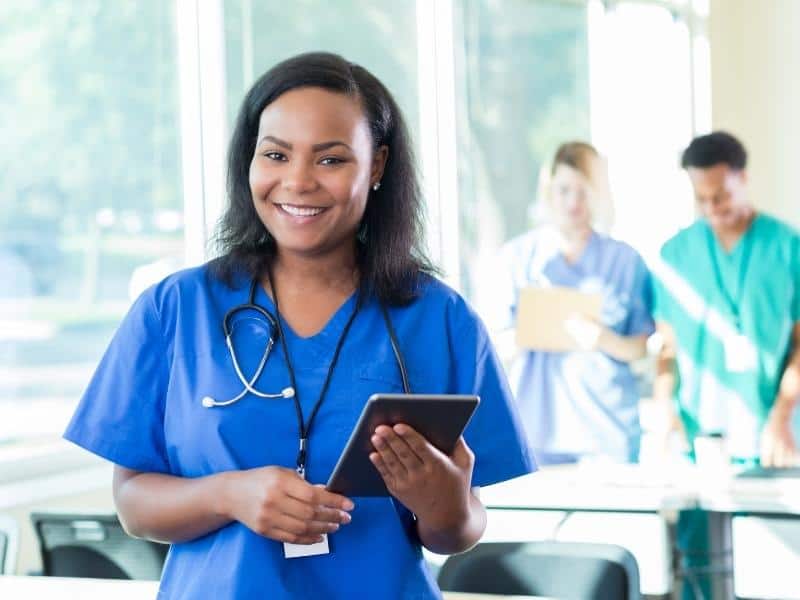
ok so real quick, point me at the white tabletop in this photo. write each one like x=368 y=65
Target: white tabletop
x=606 y=487
x=638 y=488
x=74 y=588
x=769 y=496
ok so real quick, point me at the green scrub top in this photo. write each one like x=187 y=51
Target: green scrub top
x=746 y=300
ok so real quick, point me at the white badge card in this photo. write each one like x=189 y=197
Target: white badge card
x=300 y=550
x=740 y=353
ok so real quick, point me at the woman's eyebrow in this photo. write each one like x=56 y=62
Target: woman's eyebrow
x=276 y=141
x=329 y=145
x=315 y=148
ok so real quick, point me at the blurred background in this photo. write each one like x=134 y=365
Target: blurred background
x=115 y=118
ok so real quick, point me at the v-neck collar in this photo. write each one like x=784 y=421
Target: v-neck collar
x=329 y=332
x=737 y=248
x=585 y=254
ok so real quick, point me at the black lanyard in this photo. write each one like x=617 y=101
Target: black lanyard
x=734 y=304
x=305 y=429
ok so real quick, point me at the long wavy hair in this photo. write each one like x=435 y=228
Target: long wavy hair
x=390 y=250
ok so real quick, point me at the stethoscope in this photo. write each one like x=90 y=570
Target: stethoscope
x=274 y=331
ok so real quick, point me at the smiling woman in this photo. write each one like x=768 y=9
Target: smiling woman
x=321 y=247
x=311 y=194
x=362 y=140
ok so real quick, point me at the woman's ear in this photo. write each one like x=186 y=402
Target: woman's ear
x=378 y=164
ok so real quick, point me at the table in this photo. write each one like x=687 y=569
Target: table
x=638 y=489
x=73 y=588
x=746 y=516
x=601 y=487
x=565 y=502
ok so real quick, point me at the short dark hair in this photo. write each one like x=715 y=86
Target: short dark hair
x=390 y=248
x=715 y=148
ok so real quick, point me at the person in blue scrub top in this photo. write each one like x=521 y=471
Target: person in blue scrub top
x=583 y=403
x=322 y=234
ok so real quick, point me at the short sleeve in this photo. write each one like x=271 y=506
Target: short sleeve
x=121 y=415
x=494 y=433
x=640 y=315
x=796 y=280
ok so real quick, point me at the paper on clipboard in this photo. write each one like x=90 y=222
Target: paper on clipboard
x=542 y=312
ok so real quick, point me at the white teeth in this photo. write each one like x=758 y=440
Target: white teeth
x=300 y=211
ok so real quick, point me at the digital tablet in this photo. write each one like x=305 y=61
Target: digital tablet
x=440 y=418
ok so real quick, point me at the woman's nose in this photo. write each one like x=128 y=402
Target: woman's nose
x=299 y=178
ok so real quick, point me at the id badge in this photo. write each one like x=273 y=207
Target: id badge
x=740 y=353
x=300 y=550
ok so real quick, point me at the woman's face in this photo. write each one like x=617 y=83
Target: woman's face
x=312 y=170
x=570 y=199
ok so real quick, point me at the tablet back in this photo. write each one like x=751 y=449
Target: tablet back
x=440 y=418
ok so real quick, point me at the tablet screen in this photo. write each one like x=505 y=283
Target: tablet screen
x=440 y=418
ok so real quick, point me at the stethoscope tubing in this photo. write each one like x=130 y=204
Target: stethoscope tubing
x=288 y=392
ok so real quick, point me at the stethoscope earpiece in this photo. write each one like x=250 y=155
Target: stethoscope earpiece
x=208 y=401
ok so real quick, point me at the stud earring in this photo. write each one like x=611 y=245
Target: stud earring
x=376 y=186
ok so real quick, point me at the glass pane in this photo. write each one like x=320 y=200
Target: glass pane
x=642 y=119
x=523 y=84
x=91 y=188
x=379 y=35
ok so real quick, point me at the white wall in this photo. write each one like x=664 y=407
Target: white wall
x=755 y=75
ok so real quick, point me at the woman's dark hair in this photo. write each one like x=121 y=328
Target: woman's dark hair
x=714 y=149
x=390 y=250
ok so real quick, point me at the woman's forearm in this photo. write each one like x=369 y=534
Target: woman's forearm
x=622 y=347
x=459 y=533
x=170 y=509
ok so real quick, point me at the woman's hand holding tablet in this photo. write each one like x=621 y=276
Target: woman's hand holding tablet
x=406 y=441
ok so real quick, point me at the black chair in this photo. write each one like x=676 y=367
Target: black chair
x=90 y=545
x=9 y=536
x=567 y=570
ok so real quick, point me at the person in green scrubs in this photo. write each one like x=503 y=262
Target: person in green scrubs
x=727 y=306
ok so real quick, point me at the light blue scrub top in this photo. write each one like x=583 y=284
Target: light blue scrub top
x=142 y=410
x=578 y=404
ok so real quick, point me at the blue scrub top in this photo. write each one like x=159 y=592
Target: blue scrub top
x=143 y=410
x=579 y=404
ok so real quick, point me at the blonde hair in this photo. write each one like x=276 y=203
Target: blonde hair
x=578 y=155
x=584 y=158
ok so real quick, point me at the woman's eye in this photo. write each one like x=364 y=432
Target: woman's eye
x=274 y=156
x=331 y=160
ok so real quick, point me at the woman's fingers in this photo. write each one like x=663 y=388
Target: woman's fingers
x=299 y=489
x=405 y=454
x=421 y=447
x=313 y=512
x=389 y=458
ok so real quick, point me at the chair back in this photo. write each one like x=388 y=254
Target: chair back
x=568 y=570
x=9 y=539
x=94 y=545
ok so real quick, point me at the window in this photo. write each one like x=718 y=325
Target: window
x=533 y=74
x=523 y=79
x=116 y=117
x=379 y=35
x=92 y=202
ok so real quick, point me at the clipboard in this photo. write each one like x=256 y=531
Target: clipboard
x=542 y=312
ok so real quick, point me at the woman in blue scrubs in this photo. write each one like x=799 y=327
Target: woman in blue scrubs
x=322 y=234
x=582 y=403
